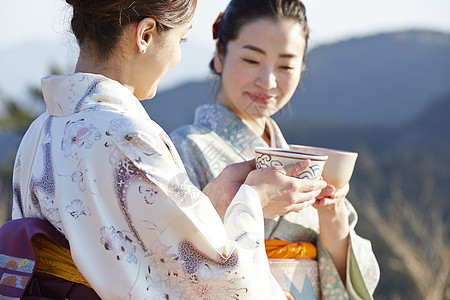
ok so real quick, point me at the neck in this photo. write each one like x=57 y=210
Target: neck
x=112 y=67
x=257 y=125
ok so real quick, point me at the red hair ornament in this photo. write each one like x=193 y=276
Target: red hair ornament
x=215 y=28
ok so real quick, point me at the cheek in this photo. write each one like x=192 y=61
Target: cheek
x=236 y=76
x=289 y=84
x=172 y=56
x=177 y=56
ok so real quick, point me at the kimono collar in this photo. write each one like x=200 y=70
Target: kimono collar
x=234 y=130
x=69 y=94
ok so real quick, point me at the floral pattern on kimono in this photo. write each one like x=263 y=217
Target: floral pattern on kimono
x=219 y=137
x=111 y=181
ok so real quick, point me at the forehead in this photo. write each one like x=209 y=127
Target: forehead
x=277 y=35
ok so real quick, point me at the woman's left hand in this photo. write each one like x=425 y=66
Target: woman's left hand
x=224 y=187
x=330 y=197
x=333 y=224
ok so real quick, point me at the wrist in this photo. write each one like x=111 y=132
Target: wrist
x=213 y=192
x=252 y=181
x=333 y=208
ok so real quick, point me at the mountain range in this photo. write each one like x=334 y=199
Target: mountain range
x=387 y=93
x=387 y=89
x=381 y=80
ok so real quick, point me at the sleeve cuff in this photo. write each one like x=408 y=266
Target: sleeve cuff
x=248 y=198
x=244 y=220
x=355 y=285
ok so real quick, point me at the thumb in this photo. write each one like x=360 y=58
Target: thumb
x=239 y=171
x=296 y=168
x=248 y=165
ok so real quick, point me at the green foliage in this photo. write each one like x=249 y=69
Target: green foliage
x=403 y=205
x=16 y=118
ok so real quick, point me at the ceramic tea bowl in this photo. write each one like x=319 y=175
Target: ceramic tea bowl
x=267 y=157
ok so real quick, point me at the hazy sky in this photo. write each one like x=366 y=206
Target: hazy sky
x=328 y=19
x=26 y=21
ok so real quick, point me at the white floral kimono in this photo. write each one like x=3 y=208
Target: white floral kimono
x=110 y=180
x=219 y=137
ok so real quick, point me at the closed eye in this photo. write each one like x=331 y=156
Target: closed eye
x=287 y=68
x=250 y=61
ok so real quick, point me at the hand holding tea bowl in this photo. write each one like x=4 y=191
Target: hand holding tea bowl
x=336 y=172
x=339 y=167
x=310 y=184
x=268 y=157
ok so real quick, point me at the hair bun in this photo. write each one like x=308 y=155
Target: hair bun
x=73 y=2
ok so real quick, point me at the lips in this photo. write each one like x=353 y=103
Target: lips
x=261 y=98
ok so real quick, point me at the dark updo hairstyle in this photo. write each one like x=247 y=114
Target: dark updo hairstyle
x=101 y=22
x=240 y=12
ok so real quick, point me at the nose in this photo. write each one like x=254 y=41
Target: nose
x=267 y=79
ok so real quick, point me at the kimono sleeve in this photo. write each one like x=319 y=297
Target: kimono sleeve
x=194 y=249
x=363 y=272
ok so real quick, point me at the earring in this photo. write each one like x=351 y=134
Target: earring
x=142 y=50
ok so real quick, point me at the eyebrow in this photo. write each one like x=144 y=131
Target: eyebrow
x=259 y=50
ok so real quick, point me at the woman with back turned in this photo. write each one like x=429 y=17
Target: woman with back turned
x=103 y=206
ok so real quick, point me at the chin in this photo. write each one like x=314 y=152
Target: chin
x=257 y=111
x=149 y=95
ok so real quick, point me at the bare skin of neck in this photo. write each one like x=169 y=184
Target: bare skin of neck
x=259 y=126
x=113 y=67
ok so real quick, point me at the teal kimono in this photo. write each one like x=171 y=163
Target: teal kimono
x=219 y=137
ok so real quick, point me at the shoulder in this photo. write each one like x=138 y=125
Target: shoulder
x=130 y=130
x=33 y=131
x=189 y=134
x=194 y=142
x=37 y=123
x=118 y=122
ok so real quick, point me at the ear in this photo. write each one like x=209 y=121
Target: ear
x=218 y=61
x=145 y=32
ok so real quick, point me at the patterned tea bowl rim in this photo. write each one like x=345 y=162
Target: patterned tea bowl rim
x=291 y=153
x=321 y=150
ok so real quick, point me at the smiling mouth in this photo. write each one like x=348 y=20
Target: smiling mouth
x=261 y=99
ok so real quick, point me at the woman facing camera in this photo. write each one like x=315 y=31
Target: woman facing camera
x=103 y=207
x=259 y=58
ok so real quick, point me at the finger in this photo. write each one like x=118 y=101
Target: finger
x=322 y=202
x=318 y=202
x=328 y=191
x=308 y=185
x=238 y=171
x=305 y=197
x=342 y=192
x=246 y=166
x=295 y=168
x=300 y=206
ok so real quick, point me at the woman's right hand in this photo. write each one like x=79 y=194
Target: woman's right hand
x=280 y=193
